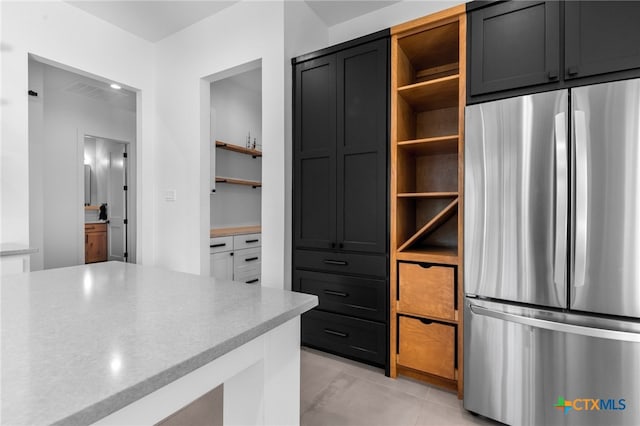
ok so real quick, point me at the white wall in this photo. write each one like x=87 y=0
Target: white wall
x=63 y=34
x=304 y=32
x=242 y=33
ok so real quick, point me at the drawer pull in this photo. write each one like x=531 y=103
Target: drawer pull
x=336 y=293
x=335 y=262
x=425 y=321
x=251 y=259
x=335 y=333
x=425 y=265
x=255 y=280
x=218 y=245
x=251 y=241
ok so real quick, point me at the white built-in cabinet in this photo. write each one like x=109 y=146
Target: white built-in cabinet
x=236 y=257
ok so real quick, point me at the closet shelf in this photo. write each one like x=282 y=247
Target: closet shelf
x=431 y=146
x=432 y=94
x=240 y=149
x=440 y=218
x=252 y=183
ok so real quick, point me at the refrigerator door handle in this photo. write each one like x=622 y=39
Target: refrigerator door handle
x=562 y=185
x=582 y=198
x=601 y=333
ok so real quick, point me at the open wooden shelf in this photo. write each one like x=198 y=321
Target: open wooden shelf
x=234 y=181
x=431 y=146
x=91 y=208
x=427 y=194
x=432 y=94
x=240 y=149
x=237 y=230
x=439 y=219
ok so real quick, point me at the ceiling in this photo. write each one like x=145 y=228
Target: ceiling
x=155 y=20
x=57 y=79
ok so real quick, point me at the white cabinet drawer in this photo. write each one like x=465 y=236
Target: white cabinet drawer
x=218 y=244
x=246 y=241
x=246 y=260
x=249 y=277
x=222 y=265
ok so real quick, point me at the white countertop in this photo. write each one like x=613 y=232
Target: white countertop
x=79 y=343
x=13 y=249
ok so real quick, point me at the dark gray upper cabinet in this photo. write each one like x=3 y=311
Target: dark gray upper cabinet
x=518 y=47
x=514 y=44
x=601 y=37
x=340 y=150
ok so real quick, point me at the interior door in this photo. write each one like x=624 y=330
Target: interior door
x=516 y=204
x=117 y=201
x=606 y=237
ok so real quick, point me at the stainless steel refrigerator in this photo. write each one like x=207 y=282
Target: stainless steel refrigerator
x=552 y=257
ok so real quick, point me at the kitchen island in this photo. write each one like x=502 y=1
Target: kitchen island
x=117 y=343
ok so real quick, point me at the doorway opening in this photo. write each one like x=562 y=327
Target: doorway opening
x=106 y=199
x=69 y=109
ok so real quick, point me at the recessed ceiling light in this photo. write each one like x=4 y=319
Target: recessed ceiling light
x=115 y=86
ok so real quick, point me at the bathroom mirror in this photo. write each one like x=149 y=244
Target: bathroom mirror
x=87 y=185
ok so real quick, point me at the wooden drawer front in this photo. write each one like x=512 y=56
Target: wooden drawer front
x=428 y=347
x=246 y=241
x=246 y=261
x=95 y=227
x=218 y=244
x=350 y=263
x=360 y=297
x=428 y=291
x=344 y=335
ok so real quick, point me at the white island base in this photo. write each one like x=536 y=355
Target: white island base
x=261 y=385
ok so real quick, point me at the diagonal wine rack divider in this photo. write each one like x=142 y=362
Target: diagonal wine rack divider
x=438 y=220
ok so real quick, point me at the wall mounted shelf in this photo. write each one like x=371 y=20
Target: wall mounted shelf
x=239 y=149
x=234 y=181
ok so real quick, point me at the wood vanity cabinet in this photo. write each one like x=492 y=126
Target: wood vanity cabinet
x=95 y=242
x=340 y=196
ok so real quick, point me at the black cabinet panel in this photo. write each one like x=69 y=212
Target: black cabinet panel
x=601 y=37
x=344 y=335
x=514 y=44
x=345 y=263
x=362 y=147
x=315 y=156
x=360 y=297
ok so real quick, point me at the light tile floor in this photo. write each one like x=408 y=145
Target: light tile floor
x=336 y=391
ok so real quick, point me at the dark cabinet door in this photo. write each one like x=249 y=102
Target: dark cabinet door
x=315 y=153
x=361 y=148
x=601 y=37
x=514 y=44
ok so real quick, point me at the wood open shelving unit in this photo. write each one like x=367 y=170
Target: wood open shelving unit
x=428 y=93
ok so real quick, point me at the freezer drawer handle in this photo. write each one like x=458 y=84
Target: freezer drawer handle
x=601 y=333
x=336 y=293
x=335 y=262
x=335 y=333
